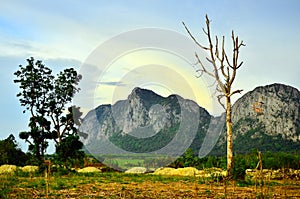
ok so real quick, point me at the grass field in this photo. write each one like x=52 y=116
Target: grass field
x=144 y=160
x=120 y=185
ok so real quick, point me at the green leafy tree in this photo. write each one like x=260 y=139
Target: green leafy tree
x=188 y=159
x=47 y=97
x=10 y=153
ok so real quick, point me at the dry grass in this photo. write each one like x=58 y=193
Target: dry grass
x=118 y=185
x=89 y=170
x=30 y=169
x=7 y=169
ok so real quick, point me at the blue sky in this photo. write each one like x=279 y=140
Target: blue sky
x=64 y=33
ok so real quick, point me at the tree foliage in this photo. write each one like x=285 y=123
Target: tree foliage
x=68 y=153
x=47 y=97
x=10 y=153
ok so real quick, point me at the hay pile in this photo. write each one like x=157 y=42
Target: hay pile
x=30 y=169
x=164 y=171
x=89 y=170
x=7 y=169
x=137 y=170
x=191 y=171
x=270 y=174
x=187 y=171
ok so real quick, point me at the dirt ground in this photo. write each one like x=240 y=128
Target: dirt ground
x=150 y=189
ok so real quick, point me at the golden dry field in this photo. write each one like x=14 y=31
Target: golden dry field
x=120 y=185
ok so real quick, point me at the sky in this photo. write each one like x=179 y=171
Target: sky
x=81 y=34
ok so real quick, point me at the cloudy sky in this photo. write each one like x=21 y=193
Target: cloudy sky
x=66 y=34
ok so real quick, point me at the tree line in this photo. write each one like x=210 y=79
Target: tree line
x=270 y=160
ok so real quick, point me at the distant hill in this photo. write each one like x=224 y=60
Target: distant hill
x=146 y=122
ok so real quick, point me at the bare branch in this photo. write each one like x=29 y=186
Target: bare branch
x=235 y=92
x=220 y=102
x=234 y=51
x=217 y=48
x=239 y=65
x=194 y=39
x=241 y=44
x=198 y=70
x=218 y=89
x=223 y=48
x=222 y=59
x=204 y=31
x=199 y=73
x=228 y=74
x=203 y=68
x=211 y=61
x=213 y=84
x=227 y=60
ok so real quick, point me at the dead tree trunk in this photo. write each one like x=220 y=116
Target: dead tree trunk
x=223 y=72
x=230 y=159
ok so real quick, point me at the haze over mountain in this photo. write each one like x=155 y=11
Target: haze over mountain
x=148 y=123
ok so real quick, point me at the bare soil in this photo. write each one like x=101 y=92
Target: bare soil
x=150 y=189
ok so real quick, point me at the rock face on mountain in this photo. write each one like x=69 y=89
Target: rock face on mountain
x=267 y=119
x=279 y=114
x=145 y=122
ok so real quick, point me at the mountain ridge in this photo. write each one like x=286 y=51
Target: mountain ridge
x=147 y=121
x=145 y=115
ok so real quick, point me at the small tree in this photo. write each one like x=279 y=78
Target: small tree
x=10 y=153
x=223 y=71
x=46 y=98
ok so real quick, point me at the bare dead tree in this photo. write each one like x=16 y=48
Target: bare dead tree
x=223 y=71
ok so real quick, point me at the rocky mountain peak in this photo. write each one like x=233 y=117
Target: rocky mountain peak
x=275 y=108
x=145 y=98
x=142 y=93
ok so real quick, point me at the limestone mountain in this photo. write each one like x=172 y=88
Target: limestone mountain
x=145 y=122
x=267 y=119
